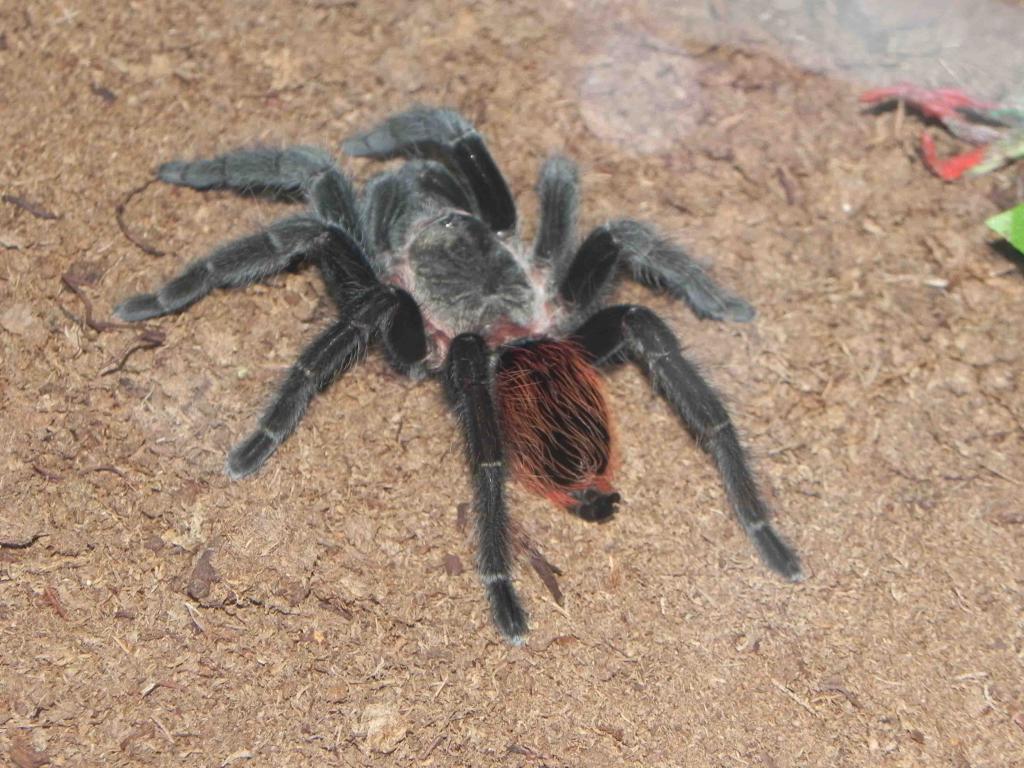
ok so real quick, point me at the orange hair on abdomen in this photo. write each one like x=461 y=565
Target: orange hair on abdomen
x=555 y=420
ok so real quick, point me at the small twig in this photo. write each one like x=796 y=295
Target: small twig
x=795 y=698
x=22 y=542
x=103 y=92
x=192 y=614
x=242 y=754
x=787 y=185
x=999 y=474
x=520 y=749
x=139 y=243
x=1008 y=518
x=163 y=730
x=523 y=543
x=614 y=731
x=151 y=338
x=150 y=687
x=53 y=477
x=831 y=686
x=33 y=208
x=74 y=285
x=54 y=599
x=104 y=468
x=548 y=574
x=440 y=735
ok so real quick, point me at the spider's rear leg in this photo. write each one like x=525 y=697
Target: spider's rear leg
x=391 y=201
x=236 y=263
x=638 y=334
x=557 y=425
x=653 y=260
x=468 y=385
x=447 y=136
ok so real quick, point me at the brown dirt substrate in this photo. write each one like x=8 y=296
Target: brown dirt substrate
x=325 y=612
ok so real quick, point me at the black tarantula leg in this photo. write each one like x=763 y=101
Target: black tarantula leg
x=286 y=172
x=638 y=334
x=334 y=200
x=386 y=212
x=404 y=337
x=445 y=135
x=392 y=201
x=331 y=354
x=239 y=262
x=293 y=172
x=652 y=260
x=368 y=309
x=469 y=386
x=558 y=190
x=589 y=275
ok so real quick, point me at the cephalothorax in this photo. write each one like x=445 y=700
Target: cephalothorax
x=427 y=262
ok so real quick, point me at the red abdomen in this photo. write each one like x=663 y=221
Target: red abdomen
x=557 y=426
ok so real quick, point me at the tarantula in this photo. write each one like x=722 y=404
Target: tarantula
x=427 y=262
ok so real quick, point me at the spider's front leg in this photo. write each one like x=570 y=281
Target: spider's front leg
x=446 y=135
x=586 y=274
x=469 y=385
x=653 y=260
x=234 y=264
x=253 y=257
x=638 y=334
x=558 y=190
x=289 y=173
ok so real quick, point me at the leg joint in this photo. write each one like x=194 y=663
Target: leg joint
x=713 y=432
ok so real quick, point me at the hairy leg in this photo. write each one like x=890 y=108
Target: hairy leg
x=447 y=136
x=638 y=334
x=653 y=260
x=392 y=201
x=283 y=172
x=292 y=172
x=334 y=199
x=469 y=388
x=331 y=354
x=369 y=309
x=236 y=263
x=558 y=190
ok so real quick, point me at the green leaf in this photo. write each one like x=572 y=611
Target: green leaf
x=1010 y=224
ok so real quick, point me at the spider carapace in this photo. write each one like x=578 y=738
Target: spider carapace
x=426 y=261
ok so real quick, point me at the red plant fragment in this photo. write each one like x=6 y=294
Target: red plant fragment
x=940 y=103
x=952 y=168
